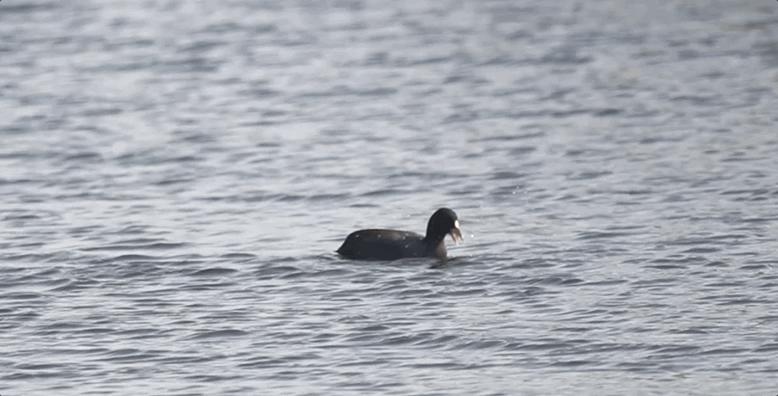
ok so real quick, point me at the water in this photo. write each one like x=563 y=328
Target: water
x=175 y=176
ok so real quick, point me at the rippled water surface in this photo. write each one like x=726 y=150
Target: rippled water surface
x=175 y=176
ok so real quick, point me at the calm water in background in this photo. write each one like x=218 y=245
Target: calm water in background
x=175 y=175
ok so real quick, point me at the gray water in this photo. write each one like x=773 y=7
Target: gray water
x=175 y=176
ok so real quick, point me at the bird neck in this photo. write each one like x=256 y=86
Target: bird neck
x=433 y=239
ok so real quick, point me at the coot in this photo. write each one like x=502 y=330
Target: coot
x=375 y=244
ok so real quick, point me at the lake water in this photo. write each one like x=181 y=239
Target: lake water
x=176 y=175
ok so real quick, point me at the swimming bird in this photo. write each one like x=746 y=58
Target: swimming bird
x=379 y=244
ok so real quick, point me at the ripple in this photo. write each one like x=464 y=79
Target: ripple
x=21 y=296
x=185 y=212
x=211 y=334
x=217 y=271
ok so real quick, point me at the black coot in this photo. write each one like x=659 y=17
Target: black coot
x=392 y=244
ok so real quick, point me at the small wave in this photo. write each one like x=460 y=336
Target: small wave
x=225 y=333
x=217 y=271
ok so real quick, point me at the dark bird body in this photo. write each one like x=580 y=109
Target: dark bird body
x=380 y=244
